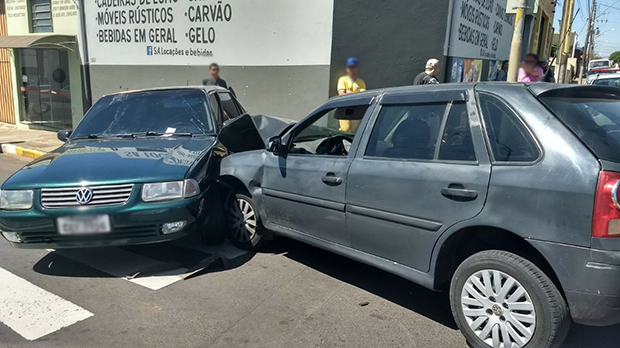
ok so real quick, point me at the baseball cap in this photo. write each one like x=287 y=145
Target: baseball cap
x=352 y=61
x=431 y=63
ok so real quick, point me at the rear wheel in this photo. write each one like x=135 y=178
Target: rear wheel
x=244 y=225
x=500 y=299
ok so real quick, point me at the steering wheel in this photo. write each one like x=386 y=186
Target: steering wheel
x=334 y=146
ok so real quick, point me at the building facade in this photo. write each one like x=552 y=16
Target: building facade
x=45 y=65
x=281 y=57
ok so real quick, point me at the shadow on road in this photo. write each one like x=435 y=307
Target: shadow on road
x=181 y=256
x=430 y=304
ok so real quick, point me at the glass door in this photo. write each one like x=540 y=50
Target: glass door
x=46 y=92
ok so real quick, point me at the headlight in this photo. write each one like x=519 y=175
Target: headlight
x=165 y=191
x=16 y=199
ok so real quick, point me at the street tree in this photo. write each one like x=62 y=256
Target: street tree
x=615 y=57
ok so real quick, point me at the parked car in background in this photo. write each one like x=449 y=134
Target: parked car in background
x=596 y=73
x=505 y=194
x=139 y=168
x=612 y=80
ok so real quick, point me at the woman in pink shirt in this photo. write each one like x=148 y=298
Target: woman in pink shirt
x=529 y=70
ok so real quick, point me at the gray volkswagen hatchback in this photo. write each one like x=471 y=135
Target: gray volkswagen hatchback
x=505 y=194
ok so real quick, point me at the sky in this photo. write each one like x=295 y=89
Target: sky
x=608 y=22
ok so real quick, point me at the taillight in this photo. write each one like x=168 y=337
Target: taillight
x=606 y=218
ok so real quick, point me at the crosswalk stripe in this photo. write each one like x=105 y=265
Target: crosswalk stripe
x=121 y=263
x=33 y=312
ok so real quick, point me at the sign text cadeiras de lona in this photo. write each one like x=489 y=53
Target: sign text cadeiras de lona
x=480 y=29
x=198 y=32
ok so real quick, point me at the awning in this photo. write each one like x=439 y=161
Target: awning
x=37 y=41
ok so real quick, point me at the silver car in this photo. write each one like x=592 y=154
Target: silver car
x=505 y=194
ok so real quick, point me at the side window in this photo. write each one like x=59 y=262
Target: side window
x=228 y=104
x=215 y=106
x=509 y=139
x=456 y=143
x=331 y=134
x=406 y=131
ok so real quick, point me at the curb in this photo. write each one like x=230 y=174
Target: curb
x=21 y=151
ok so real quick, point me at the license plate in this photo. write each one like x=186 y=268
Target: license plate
x=83 y=224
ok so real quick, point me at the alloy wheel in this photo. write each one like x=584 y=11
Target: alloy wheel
x=498 y=309
x=242 y=220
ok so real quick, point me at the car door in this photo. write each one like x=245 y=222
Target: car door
x=304 y=189
x=422 y=167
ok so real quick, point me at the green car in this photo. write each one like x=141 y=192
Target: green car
x=137 y=169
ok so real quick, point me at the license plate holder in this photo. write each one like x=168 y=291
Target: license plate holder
x=83 y=224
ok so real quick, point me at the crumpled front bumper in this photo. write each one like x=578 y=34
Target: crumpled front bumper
x=133 y=223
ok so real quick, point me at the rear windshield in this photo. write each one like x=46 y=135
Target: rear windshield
x=613 y=82
x=593 y=115
x=166 y=111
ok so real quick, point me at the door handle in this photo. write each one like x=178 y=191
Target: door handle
x=459 y=193
x=332 y=180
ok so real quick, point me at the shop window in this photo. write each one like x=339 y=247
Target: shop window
x=41 y=16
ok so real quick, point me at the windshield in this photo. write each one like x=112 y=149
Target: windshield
x=594 y=116
x=599 y=64
x=157 y=112
x=613 y=82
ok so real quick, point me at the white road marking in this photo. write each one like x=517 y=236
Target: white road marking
x=121 y=263
x=33 y=312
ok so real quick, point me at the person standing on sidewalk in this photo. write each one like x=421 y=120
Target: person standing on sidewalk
x=350 y=83
x=427 y=77
x=529 y=70
x=215 y=79
x=502 y=75
x=547 y=71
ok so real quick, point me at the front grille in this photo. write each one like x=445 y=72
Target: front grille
x=117 y=233
x=105 y=195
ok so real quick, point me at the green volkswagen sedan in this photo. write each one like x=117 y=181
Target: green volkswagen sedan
x=136 y=170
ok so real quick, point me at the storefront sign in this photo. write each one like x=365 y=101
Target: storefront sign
x=480 y=29
x=199 y=32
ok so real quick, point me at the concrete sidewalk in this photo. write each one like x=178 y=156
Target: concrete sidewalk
x=27 y=142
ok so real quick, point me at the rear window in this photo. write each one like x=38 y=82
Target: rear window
x=612 y=82
x=593 y=115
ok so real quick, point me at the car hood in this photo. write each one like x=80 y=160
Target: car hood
x=110 y=161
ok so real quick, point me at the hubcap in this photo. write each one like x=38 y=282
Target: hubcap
x=241 y=220
x=498 y=309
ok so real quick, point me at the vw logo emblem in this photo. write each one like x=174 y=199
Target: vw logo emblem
x=84 y=195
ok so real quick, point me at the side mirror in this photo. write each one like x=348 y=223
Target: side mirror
x=63 y=135
x=274 y=145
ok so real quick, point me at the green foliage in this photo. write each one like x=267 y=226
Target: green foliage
x=615 y=57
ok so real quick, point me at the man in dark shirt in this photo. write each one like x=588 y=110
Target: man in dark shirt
x=215 y=79
x=427 y=77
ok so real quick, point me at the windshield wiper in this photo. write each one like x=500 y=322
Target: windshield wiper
x=97 y=136
x=158 y=134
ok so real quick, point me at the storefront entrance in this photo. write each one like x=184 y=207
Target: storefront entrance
x=45 y=88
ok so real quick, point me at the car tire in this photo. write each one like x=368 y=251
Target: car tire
x=499 y=296
x=214 y=228
x=244 y=227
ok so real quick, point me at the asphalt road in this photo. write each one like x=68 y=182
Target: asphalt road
x=292 y=295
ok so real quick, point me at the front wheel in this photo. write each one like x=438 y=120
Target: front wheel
x=502 y=300
x=244 y=225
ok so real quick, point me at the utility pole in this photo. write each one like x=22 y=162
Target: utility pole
x=587 y=43
x=517 y=42
x=568 y=17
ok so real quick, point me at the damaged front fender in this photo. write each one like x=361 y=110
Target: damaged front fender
x=251 y=132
